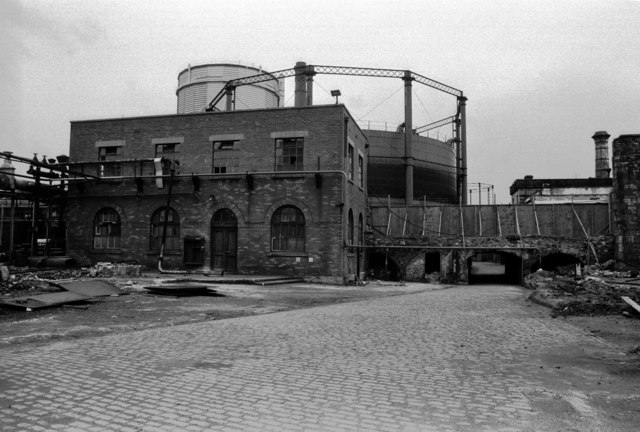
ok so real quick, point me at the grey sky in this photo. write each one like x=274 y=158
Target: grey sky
x=541 y=76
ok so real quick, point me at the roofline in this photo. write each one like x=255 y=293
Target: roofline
x=224 y=64
x=522 y=184
x=208 y=113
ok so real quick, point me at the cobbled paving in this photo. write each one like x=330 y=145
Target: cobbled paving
x=455 y=359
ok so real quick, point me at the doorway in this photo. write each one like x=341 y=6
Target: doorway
x=224 y=241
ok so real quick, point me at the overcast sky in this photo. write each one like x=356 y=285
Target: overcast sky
x=540 y=76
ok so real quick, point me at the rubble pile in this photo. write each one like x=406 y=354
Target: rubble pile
x=107 y=269
x=19 y=283
x=596 y=291
x=28 y=283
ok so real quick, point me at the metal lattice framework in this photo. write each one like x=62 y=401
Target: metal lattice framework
x=436 y=124
x=311 y=70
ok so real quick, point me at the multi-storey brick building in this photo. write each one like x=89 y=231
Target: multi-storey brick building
x=270 y=191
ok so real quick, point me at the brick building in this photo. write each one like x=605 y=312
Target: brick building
x=269 y=191
x=592 y=190
x=560 y=191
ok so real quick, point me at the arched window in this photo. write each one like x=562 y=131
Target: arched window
x=360 y=230
x=106 y=229
x=288 y=230
x=350 y=228
x=172 y=241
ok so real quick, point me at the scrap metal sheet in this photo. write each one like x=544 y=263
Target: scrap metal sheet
x=44 y=300
x=91 y=288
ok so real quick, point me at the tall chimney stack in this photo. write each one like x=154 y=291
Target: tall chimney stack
x=300 y=94
x=601 y=139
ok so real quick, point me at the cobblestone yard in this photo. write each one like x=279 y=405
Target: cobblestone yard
x=457 y=359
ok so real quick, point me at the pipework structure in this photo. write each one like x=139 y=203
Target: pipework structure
x=304 y=76
x=35 y=198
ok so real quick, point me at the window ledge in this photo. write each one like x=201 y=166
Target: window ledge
x=287 y=254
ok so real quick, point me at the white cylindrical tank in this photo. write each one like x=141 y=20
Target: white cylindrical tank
x=198 y=85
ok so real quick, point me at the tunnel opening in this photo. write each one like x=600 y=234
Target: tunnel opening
x=382 y=267
x=432 y=262
x=495 y=267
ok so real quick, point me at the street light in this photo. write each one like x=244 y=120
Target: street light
x=336 y=93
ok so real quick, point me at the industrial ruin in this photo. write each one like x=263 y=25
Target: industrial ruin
x=235 y=182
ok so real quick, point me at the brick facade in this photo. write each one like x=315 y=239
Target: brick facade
x=252 y=187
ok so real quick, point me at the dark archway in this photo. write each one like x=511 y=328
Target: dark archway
x=381 y=266
x=558 y=262
x=494 y=267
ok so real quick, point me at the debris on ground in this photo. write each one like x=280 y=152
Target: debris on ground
x=595 y=290
x=37 y=301
x=46 y=288
x=181 y=289
x=107 y=269
x=18 y=284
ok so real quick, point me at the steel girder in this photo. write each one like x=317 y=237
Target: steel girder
x=311 y=70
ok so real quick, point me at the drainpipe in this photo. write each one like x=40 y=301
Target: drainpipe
x=164 y=227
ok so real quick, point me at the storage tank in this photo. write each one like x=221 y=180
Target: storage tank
x=434 y=172
x=198 y=85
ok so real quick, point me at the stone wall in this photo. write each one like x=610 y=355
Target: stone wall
x=626 y=198
x=521 y=255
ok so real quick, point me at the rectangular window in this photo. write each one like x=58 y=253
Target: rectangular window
x=361 y=171
x=289 y=154
x=350 y=162
x=110 y=155
x=170 y=153
x=225 y=157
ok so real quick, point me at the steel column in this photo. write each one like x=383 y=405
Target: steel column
x=463 y=147
x=408 y=132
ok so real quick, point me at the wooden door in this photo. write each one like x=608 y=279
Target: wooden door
x=224 y=241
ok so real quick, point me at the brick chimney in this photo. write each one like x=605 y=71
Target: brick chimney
x=601 y=139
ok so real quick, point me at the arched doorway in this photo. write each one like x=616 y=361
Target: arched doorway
x=224 y=241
